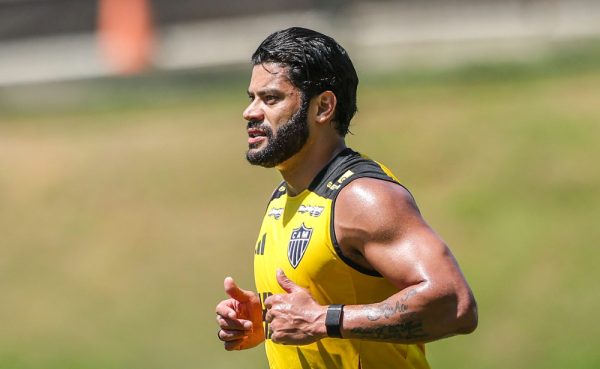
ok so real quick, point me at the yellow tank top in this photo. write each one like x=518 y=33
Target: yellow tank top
x=297 y=235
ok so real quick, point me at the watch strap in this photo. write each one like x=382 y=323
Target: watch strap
x=333 y=320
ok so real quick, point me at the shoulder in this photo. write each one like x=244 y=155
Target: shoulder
x=371 y=212
x=375 y=200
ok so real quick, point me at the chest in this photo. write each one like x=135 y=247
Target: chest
x=294 y=236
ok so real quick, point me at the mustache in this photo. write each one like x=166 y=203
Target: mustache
x=254 y=124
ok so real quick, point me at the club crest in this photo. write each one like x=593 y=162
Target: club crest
x=298 y=244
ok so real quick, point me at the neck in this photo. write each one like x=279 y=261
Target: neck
x=300 y=170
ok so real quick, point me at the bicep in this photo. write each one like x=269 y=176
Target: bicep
x=417 y=256
x=388 y=231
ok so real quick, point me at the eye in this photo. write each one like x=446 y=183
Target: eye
x=271 y=99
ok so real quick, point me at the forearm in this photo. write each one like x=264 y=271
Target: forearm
x=416 y=314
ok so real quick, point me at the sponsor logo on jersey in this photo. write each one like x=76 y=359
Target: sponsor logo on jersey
x=298 y=244
x=267 y=328
x=314 y=211
x=275 y=213
x=260 y=245
x=340 y=180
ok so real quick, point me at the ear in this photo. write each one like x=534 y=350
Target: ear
x=326 y=103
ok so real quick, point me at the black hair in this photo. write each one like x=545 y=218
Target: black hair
x=315 y=63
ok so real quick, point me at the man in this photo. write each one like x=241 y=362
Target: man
x=348 y=273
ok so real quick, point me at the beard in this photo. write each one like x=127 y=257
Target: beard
x=289 y=139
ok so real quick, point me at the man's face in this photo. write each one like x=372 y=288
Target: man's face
x=276 y=115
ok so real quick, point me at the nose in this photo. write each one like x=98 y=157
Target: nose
x=253 y=112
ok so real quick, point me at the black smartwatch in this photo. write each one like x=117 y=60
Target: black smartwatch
x=333 y=320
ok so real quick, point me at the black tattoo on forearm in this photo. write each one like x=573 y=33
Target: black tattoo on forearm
x=410 y=328
x=376 y=312
x=386 y=310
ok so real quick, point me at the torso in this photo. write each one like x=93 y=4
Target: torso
x=297 y=235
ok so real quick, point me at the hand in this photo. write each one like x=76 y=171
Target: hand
x=295 y=318
x=240 y=318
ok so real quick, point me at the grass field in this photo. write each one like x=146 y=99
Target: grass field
x=125 y=203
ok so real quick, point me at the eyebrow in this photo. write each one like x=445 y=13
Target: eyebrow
x=268 y=91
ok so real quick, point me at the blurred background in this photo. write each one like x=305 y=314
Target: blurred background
x=125 y=197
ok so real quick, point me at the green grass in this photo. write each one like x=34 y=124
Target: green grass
x=126 y=203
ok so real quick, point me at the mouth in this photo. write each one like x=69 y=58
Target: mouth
x=255 y=136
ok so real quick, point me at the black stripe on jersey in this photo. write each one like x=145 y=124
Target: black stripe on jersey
x=336 y=245
x=279 y=191
x=332 y=172
x=361 y=168
x=335 y=175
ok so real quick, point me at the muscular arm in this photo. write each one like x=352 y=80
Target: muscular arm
x=379 y=227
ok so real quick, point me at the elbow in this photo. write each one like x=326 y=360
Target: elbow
x=467 y=316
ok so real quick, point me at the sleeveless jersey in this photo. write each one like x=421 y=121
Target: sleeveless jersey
x=297 y=235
